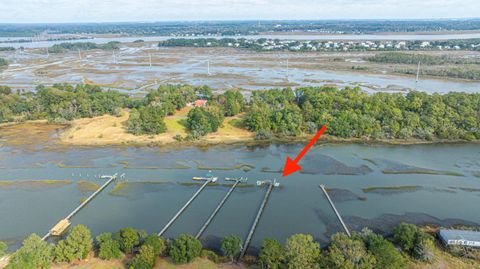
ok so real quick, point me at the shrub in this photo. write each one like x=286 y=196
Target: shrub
x=210 y=255
x=184 y=249
x=107 y=247
x=385 y=253
x=34 y=253
x=231 y=246
x=145 y=259
x=271 y=255
x=77 y=245
x=128 y=239
x=301 y=252
x=3 y=248
x=348 y=253
x=157 y=244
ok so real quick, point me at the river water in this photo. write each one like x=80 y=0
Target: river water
x=347 y=37
x=444 y=189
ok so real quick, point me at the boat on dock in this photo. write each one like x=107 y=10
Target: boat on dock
x=60 y=227
x=211 y=179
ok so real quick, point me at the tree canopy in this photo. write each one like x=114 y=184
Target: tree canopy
x=33 y=254
x=184 y=249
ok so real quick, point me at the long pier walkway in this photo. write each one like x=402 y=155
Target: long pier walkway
x=184 y=207
x=335 y=209
x=257 y=219
x=214 y=213
x=63 y=224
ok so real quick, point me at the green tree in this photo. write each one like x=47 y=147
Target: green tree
x=77 y=245
x=231 y=246
x=424 y=250
x=3 y=248
x=301 y=252
x=387 y=256
x=232 y=102
x=405 y=235
x=128 y=239
x=271 y=255
x=345 y=252
x=134 y=125
x=107 y=247
x=146 y=120
x=201 y=121
x=34 y=253
x=156 y=242
x=184 y=249
x=145 y=259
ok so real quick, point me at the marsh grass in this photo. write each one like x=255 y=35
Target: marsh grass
x=87 y=186
x=391 y=189
x=33 y=184
x=244 y=167
x=125 y=188
x=422 y=171
x=63 y=165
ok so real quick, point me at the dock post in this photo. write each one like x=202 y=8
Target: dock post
x=335 y=209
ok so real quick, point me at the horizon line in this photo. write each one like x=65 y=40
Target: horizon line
x=246 y=20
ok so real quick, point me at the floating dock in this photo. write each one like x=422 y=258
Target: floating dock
x=335 y=209
x=222 y=202
x=207 y=180
x=257 y=218
x=63 y=224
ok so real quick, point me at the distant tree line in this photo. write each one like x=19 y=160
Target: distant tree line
x=462 y=72
x=7 y=48
x=63 y=47
x=407 y=58
x=210 y=42
x=364 y=249
x=463 y=68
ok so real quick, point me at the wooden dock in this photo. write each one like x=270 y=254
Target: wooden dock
x=335 y=209
x=63 y=224
x=185 y=206
x=257 y=219
x=214 y=213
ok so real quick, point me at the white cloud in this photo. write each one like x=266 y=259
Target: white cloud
x=159 y=10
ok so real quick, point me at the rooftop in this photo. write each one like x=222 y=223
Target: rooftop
x=460 y=235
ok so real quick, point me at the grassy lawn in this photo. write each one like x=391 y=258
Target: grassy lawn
x=162 y=263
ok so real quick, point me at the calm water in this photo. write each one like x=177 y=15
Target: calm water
x=297 y=207
x=101 y=40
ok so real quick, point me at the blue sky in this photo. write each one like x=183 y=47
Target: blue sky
x=174 y=10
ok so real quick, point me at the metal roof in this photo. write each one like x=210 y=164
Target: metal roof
x=460 y=235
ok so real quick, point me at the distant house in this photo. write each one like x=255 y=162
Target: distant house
x=460 y=237
x=200 y=103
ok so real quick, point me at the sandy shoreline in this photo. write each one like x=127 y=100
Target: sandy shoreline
x=110 y=130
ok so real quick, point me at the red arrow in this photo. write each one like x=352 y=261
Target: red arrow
x=291 y=166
